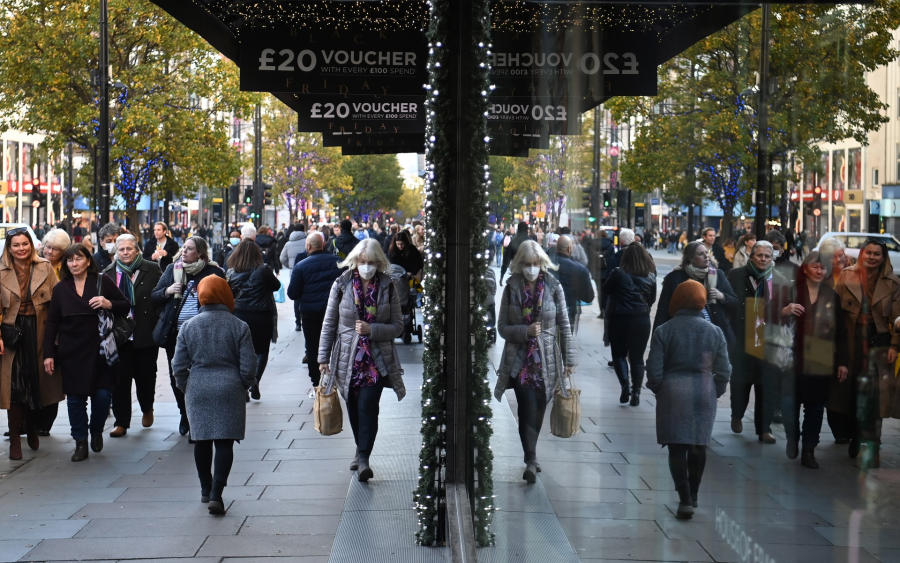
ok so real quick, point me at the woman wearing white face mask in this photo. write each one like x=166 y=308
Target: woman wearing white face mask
x=539 y=349
x=356 y=350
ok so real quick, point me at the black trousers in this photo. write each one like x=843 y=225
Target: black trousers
x=298 y=316
x=362 y=409
x=138 y=364
x=686 y=464
x=220 y=465
x=628 y=339
x=312 y=329
x=179 y=394
x=532 y=405
x=46 y=417
x=765 y=381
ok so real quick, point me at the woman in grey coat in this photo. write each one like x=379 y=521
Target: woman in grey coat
x=688 y=370
x=215 y=365
x=533 y=316
x=356 y=349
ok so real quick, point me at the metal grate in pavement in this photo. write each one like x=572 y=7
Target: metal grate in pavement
x=384 y=495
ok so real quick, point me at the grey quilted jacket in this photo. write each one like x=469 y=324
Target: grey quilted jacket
x=556 y=344
x=338 y=343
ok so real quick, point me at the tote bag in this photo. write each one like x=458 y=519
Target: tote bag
x=565 y=416
x=327 y=413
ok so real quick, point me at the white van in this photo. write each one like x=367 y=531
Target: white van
x=854 y=242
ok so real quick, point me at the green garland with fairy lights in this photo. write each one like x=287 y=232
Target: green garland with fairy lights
x=441 y=129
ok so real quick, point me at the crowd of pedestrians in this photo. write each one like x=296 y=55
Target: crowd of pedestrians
x=807 y=340
x=812 y=337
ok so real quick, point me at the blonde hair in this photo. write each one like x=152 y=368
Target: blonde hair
x=528 y=251
x=58 y=239
x=370 y=249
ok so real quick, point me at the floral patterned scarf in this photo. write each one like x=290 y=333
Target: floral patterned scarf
x=532 y=304
x=365 y=373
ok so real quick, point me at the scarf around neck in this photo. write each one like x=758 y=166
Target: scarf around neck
x=707 y=276
x=760 y=275
x=194 y=268
x=127 y=271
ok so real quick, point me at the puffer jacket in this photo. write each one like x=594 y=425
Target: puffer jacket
x=556 y=356
x=253 y=290
x=339 y=340
x=296 y=245
x=628 y=294
x=268 y=245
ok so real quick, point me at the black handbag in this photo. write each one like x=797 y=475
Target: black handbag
x=164 y=333
x=11 y=334
x=123 y=325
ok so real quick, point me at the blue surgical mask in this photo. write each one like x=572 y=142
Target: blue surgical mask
x=234 y=241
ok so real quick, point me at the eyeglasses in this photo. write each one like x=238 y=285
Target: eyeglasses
x=16 y=231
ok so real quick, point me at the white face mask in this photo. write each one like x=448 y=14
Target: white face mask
x=366 y=271
x=776 y=254
x=110 y=248
x=531 y=272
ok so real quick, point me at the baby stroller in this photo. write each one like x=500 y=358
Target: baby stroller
x=408 y=295
x=490 y=278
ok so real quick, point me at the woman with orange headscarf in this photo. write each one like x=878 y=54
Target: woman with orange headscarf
x=215 y=365
x=687 y=370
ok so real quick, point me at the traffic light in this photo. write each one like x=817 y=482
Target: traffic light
x=37 y=198
x=267 y=194
x=248 y=196
x=817 y=201
x=586 y=197
x=607 y=200
x=234 y=193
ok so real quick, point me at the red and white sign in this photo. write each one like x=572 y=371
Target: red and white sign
x=613 y=151
x=28 y=187
x=809 y=195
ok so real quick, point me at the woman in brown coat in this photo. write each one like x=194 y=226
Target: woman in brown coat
x=865 y=388
x=26 y=285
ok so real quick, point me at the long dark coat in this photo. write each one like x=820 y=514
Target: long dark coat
x=77 y=326
x=146 y=314
x=817 y=333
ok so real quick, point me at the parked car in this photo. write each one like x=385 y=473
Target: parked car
x=854 y=242
x=10 y=226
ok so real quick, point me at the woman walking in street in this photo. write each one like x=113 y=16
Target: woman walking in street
x=816 y=315
x=53 y=248
x=721 y=303
x=253 y=283
x=632 y=291
x=26 y=287
x=214 y=365
x=72 y=339
x=356 y=349
x=539 y=350
x=136 y=278
x=745 y=247
x=866 y=389
x=832 y=252
x=405 y=254
x=193 y=265
x=687 y=370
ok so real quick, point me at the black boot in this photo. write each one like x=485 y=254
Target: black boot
x=206 y=482
x=637 y=379
x=97 y=442
x=365 y=472
x=183 y=425
x=354 y=465
x=81 y=450
x=808 y=458
x=685 y=504
x=216 y=504
x=621 y=367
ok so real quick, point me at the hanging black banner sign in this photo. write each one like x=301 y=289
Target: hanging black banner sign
x=336 y=62
x=362 y=114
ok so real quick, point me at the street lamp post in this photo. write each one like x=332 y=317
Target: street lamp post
x=762 y=135
x=103 y=132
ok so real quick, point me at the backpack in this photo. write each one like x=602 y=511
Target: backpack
x=335 y=250
x=498 y=238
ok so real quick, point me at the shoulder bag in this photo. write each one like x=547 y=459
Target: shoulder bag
x=122 y=325
x=565 y=416
x=166 y=327
x=327 y=413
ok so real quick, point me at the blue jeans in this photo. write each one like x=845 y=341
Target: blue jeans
x=672 y=248
x=78 y=416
